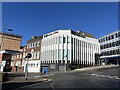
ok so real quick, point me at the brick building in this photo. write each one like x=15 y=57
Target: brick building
x=34 y=47
x=9 y=44
x=17 y=61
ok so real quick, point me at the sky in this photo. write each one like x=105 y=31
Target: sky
x=30 y=19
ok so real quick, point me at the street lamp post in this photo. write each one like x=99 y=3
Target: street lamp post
x=26 y=69
x=29 y=55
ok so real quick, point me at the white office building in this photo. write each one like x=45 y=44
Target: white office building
x=67 y=49
x=110 y=48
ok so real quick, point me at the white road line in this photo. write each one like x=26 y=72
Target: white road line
x=92 y=74
x=102 y=75
x=99 y=72
x=115 y=76
x=105 y=76
x=51 y=85
x=110 y=77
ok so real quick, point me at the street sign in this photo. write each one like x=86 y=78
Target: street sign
x=3 y=63
x=29 y=55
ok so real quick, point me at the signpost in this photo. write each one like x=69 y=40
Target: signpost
x=29 y=55
x=2 y=65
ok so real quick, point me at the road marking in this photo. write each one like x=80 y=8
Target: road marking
x=51 y=85
x=99 y=72
x=115 y=76
x=92 y=74
x=110 y=77
x=105 y=76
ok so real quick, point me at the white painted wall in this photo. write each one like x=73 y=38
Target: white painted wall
x=31 y=67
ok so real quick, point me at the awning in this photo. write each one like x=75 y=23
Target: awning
x=11 y=52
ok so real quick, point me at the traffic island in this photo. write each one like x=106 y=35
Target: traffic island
x=20 y=82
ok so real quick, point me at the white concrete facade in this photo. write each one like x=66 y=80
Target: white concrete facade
x=62 y=45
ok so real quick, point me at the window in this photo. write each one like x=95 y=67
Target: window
x=112 y=36
x=99 y=41
x=64 y=54
x=107 y=52
x=68 y=54
x=68 y=39
x=33 y=44
x=59 y=54
x=36 y=44
x=116 y=35
x=109 y=38
x=101 y=47
x=106 y=38
x=114 y=52
x=56 y=39
x=64 y=39
x=111 y=52
x=117 y=43
x=72 y=41
x=106 y=45
x=37 y=65
x=110 y=44
x=103 y=39
x=60 y=39
x=113 y=44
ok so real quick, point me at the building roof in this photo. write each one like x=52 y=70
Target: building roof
x=34 y=39
x=82 y=34
x=109 y=34
x=10 y=34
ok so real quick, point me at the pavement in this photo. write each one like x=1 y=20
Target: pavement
x=18 y=80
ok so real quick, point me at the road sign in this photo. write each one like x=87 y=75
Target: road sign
x=3 y=63
x=29 y=55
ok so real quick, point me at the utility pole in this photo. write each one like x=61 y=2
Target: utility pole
x=29 y=55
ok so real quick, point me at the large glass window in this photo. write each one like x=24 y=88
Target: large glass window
x=64 y=54
x=68 y=39
x=110 y=45
x=64 y=39
x=117 y=43
x=60 y=39
x=116 y=35
x=56 y=40
x=68 y=54
x=109 y=38
x=106 y=38
x=113 y=44
x=112 y=36
x=59 y=54
x=72 y=41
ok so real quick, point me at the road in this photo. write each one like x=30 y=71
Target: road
x=102 y=78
